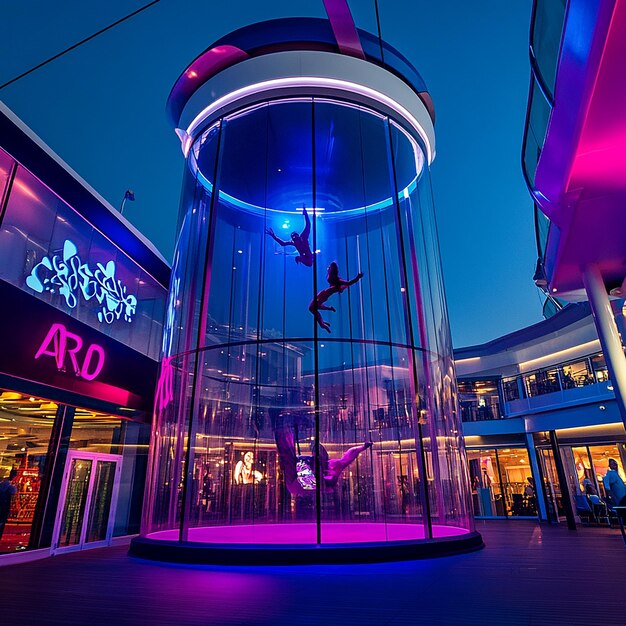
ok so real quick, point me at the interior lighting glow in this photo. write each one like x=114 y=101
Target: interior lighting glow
x=403 y=194
x=560 y=355
x=313 y=82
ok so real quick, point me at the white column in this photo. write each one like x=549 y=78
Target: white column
x=608 y=334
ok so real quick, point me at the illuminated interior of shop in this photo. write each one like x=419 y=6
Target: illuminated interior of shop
x=26 y=426
x=502 y=483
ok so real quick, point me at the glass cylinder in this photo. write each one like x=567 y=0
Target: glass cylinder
x=307 y=390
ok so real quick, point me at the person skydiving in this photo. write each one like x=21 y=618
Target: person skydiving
x=337 y=285
x=299 y=241
x=299 y=470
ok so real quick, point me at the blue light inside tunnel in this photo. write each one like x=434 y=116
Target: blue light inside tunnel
x=259 y=210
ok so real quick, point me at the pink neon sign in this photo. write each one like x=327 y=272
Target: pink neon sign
x=60 y=343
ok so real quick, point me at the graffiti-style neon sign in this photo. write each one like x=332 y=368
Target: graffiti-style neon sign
x=61 y=344
x=70 y=277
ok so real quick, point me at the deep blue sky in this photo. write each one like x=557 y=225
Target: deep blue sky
x=101 y=108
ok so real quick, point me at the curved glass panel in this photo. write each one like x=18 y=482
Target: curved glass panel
x=536 y=127
x=547 y=29
x=307 y=387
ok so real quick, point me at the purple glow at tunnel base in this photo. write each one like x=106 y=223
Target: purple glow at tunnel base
x=304 y=534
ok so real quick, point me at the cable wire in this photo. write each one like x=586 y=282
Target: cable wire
x=76 y=45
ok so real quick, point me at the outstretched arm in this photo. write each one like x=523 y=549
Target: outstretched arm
x=349 y=283
x=307 y=225
x=270 y=232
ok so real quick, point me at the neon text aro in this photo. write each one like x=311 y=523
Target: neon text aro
x=63 y=345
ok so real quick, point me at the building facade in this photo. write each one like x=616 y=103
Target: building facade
x=80 y=329
x=540 y=418
x=573 y=161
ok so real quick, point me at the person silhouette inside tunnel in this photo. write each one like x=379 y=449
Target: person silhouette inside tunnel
x=337 y=285
x=299 y=470
x=299 y=241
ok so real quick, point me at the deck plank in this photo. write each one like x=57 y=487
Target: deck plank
x=528 y=575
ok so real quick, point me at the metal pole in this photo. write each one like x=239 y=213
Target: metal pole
x=560 y=472
x=608 y=334
x=540 y=495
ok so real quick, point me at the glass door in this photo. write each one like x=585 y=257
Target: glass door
x=86 y=512
x=551 y=485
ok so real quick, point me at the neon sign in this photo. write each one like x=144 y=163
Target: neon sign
x=60 y=343
x=70 y=277
x=165 y=386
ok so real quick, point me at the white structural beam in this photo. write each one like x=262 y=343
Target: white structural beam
x=608 y=334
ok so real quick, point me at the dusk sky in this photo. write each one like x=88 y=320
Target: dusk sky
x=101 y=108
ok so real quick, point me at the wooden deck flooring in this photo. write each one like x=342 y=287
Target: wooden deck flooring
x=528 y=575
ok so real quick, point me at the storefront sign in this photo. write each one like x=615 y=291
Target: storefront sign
x=68 y=276
x=62 y=344
x=80 y=365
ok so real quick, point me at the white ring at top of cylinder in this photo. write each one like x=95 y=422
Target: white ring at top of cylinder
x=306 y=73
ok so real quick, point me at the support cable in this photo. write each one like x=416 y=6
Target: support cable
x=77 y=45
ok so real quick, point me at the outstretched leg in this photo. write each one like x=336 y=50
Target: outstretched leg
x=314 y=308
x=352 y=453
x=336 y=466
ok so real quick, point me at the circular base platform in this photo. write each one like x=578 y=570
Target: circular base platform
x=294 y=544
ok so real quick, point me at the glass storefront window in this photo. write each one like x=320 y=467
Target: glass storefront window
x=502 y=483
x=600 y=456
x=551 y=485
x=510 y=389
x=25 y=428
x=577 y=374
x=585 y=476
x=106 y=434
x=27 y=425
x=542 y=382
x=479 y=400
x=600 y=370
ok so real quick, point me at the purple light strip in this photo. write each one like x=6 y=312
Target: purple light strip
x=306 y=81
x=343 y=27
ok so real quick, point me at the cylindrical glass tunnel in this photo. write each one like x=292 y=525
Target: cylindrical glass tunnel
x=307 y=389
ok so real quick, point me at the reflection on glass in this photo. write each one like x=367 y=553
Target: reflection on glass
x=75 y=502
x=542 y=382
x=566 y=376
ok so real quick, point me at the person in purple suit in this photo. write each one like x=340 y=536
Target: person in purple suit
x=299 y=470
